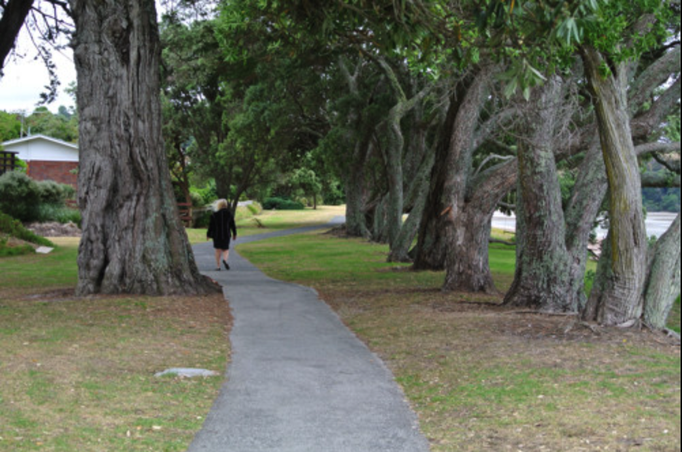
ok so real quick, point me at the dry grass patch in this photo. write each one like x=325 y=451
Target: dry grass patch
x=78 y=375
x=485 y=378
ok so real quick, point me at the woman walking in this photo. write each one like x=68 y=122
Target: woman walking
x=221 y=225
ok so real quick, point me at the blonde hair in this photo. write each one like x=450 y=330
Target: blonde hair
x=220 y=204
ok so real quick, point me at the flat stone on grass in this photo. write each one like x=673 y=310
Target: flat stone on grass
x=188 y=373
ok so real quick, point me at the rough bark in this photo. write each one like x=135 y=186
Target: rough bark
x=543 y=277
x=583 y=208
x=467 y=270
x=455 y=229
x=133 y=241
x=663 y=283
x=430 y=252
x=393 y=152
x=617 y=300
x=356 y=222
x=401 y=246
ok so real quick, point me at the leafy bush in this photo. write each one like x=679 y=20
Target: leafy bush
x=282 y=204
x=333 y=194
x=255 y=208
x=27 y=200
x=14 y=228
x=19 y=196
x=7 y=251
x=197 y=199
x=209 y=194
x=54 y=193
x=60 y=214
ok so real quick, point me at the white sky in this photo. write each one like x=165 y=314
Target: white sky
x=25 y=78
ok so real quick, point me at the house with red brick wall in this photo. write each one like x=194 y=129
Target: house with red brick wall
x=47 y=158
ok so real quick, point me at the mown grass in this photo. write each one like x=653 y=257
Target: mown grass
x=78 y=374
x=271 y=220
x=485 y=378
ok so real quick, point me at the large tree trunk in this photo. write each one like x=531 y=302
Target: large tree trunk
x=617 y=299
x=466 y=268
x=468 y=257
x=356 y=223
x=430 y=252
x=581 y=213
x=663 y=283
x=543 y=278
x=394 y=152
x=401 y=246
x=133 y=240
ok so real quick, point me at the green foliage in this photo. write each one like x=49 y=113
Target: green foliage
x=55 y=193
x=7 y=251
x=56 y=213
x=27 y=200
x=282 y=204
x=208 y=194
x=14 y=228
x=62 y=126
x=197 y=199
x=10 y=126
x=661 y=199
x=540 y=38
x=333 y=194
x=255 y=208
x=19 y=196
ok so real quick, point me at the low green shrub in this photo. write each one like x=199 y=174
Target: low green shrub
x=24 y=199
x=282 y=204
x=14 y=228
x=19 y=196
x=197 y=199
x=333 y=194
x=54 y=193
x=6 y=251
x=60 y=214
x=255 y=208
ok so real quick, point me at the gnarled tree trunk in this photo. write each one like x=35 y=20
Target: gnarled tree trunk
x=430 y=252
x=663 y=283
x=543 y=278
x=133 y=240
x=467 y=268
x=616 y=300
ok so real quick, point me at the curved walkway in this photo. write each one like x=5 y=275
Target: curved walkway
x=299 y=380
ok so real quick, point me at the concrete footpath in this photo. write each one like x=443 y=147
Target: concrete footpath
x=299 y=380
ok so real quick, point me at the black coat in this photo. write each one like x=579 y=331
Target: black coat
x=222 y=223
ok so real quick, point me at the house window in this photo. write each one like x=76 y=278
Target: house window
x=8 y=162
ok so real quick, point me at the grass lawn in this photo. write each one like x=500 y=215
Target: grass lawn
x=482 y=377
x=78 y=375
x=271 y=220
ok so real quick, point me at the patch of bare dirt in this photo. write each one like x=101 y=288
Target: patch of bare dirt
x=531 y=325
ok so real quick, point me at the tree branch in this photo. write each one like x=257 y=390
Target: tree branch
x=13 y=18
x=671 y=162
x=644 y=124
x=663 y=148
x=660 y=179
x=653 y=77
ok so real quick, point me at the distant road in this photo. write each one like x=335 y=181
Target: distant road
x=657 y=223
